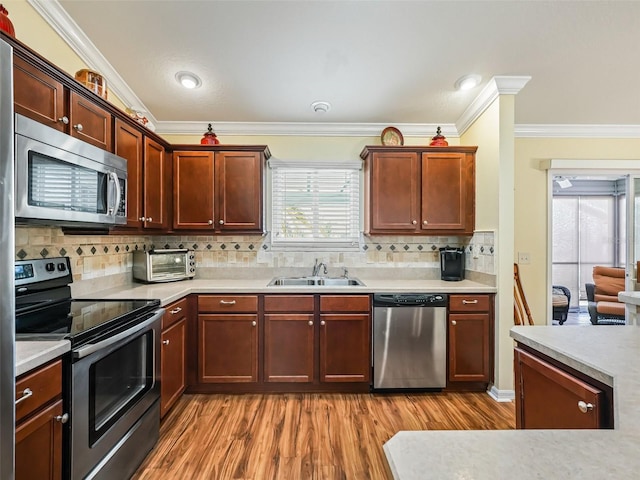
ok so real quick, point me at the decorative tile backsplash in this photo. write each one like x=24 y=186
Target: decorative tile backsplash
x=94 y=256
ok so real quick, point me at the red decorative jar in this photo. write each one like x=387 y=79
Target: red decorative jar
x=209 y=137
x=439 y=140
x=5 y=23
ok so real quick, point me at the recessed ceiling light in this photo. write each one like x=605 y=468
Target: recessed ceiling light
x=468 y=82
x=188 y=80
x=321 y=107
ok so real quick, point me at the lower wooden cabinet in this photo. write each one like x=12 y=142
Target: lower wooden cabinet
x=344 y=347
x=173 y=355
x=39 y=423
x=470 y=336
x=548 y=396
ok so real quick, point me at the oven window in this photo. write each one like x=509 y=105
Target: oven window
x=118 y=381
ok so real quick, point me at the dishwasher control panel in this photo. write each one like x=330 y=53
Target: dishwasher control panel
x=410 y=299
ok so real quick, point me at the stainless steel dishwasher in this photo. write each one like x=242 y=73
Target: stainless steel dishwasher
x=409 y=341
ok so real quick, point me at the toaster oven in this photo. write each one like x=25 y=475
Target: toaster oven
x=163 y=265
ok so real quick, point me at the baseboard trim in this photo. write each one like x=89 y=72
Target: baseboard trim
x=501 y=395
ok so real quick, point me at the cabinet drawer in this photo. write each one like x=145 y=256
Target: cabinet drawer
x=228 y=303
x=469 y=303
x=288 y=303
x=45 y=383
x=175 y=311
x=344 y=303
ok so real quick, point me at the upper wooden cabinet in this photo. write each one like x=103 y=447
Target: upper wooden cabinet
x=129 y=143
x=41 y=97
x=420 y=190
x=219 y=190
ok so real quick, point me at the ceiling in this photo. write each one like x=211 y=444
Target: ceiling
x=375 y=62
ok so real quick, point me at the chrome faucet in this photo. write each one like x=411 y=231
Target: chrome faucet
x=316 y=268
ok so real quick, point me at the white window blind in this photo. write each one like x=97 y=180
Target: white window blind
x=315 y=205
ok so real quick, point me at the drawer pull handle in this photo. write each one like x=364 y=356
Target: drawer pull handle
x=62 y=418
x=585 y=407
x=469 y=302
x=175 y=310
x=25 y=394
x=225 y=302
x=165 y=342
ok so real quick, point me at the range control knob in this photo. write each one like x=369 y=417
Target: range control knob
x=62 y=267
x=50 y=267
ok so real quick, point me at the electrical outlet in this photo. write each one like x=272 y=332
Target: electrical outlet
x=524 y=258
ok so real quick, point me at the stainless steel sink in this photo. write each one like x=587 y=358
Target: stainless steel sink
x=314 y=281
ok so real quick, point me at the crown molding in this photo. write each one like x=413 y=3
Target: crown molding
x=498 y=85
x=576 y=131
x=310 y=129
x=72 y=34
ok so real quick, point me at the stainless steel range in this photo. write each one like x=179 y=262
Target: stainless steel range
x=111 y=381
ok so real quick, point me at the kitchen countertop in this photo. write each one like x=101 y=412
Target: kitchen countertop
x=607 y=353
x=172 y=291
x=31 y=354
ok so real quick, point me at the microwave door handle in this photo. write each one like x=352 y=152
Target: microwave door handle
x=94 y=347
x=116 y=201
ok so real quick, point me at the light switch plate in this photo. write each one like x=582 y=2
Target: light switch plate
x=524 y=258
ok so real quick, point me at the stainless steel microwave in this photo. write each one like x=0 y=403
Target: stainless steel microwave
x=163 y=265
x=65 y=181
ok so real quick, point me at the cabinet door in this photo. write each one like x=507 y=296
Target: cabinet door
x=344 y=347
x=288 y=347
x=38 y=445
x=548 y=397
x=193 y=190
x=394 y=201
x=38 y=96
x=469 y=347
x=155 y=185
x=228 y=348
x=89 y=122
x=173 y=364
x=448 y=193
x=128 y=144
x=239 y=191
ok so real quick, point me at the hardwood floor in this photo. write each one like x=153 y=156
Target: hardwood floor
x=304 y=436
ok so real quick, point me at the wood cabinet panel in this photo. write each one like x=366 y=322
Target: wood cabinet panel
x=89 y=122
x=156 y=185
x=469 y=347
x=45 y=385
x=289 y=347
x=228 y=303
x=129 y=144
x=548 y=397
x=38 y=96
x=469 y=303
x=193 y=190
x=175 y=312
x=238 y=191
x=173 y=364
x=288 y=303
x=38 y=445
x=228 y=348
x=345 y=303
x=344 y=347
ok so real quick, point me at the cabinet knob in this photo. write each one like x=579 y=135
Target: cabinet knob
x=585 y=407
x=254 y=323
x=415 y=222
x=149 y=219
x=78 y=127
x=142 y=219
x=310 y=323
x=453 y=322
x=322 y=322
x=64 y=120
x=424 y=222
x=221 y=222
x=165 y=342
x=210 y=222
x=26 y=393
x=62 y=418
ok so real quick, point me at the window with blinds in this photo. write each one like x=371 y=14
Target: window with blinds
x=315 y=206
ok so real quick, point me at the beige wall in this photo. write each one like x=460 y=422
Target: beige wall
x=531 y=201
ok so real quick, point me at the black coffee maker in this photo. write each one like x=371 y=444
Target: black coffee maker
x=452 y=264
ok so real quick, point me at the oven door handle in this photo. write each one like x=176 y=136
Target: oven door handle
x=94 y=347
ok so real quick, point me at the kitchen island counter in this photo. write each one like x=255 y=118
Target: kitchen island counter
x=172 y=291
x=607 y=353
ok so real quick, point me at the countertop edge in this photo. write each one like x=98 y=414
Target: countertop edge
x=32 y=354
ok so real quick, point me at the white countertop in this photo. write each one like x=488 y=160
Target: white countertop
x=32 y=354
x=172 y=291
x=608 y=353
